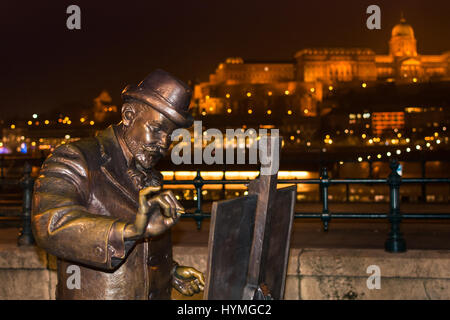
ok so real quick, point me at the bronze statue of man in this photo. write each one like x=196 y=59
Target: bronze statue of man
x=93 y=205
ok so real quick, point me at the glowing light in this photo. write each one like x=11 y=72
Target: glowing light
x=82 y=120
x=30 y=123
x=428 y=144
x=67 y=136
x=363 y=136
x=249 y=94
x=388 y=153
x=46 y=122
x=269 y=111
x=414 y=79
x=330 y=88
x=286 y=92
x=308 y=144
x=306 y=111
x=269 y=93
x=229 y=110
x=250 y=111
x=227 y=96
x=312 y=90
x=91 y=123
x=408 y=149
x=360 y=159
x=398 y=151
x=207 y=97
x=292 y=137
x=379 y=156
x=370 y=141
x=13 y=126
x=35 y=116
x=23 y=147
x=438 y=141
x=417 y=147
x=364 y=85
x=289 y=112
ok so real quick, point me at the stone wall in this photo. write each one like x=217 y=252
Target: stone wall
x=29 y=273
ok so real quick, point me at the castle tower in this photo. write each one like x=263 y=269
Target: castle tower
x=403 y=42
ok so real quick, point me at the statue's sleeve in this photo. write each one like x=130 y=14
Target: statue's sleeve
x=61 y=223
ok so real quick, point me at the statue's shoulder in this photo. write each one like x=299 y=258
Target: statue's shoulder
x=87 y=145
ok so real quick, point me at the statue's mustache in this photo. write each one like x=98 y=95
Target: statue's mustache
x=153 y=148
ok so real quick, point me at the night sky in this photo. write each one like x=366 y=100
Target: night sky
x=45 y=66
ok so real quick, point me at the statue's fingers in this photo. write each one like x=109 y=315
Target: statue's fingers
x=195 y=287
x=169 y=221
x=172 y=204
x=148 y=190
x=179 y=208
x=190 y=291
x=165 y=206
x=199 y=276
x=143 y=195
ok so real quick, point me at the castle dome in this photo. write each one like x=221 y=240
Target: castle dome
x=403 y=29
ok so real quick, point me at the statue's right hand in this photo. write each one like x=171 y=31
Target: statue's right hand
x=136 y=230
x=167 y=216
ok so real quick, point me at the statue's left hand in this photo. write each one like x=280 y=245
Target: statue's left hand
x=188 y=281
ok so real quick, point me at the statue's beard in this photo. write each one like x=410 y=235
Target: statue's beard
x=144 y=158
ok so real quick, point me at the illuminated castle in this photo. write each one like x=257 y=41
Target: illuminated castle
x=316 y=71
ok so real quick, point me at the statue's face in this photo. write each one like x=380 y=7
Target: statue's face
x=147 y=134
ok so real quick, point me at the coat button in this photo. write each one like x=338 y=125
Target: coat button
x=98 y=251
x=154 y=260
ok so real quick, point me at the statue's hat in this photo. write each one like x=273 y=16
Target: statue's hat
x=165 y=93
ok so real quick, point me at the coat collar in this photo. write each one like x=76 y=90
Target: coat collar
x=114 y=165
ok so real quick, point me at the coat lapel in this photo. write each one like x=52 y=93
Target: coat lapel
x=114 y=165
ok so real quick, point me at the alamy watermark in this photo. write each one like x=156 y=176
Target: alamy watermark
x=259 y=144
x=374 y=20
x=374 y=280
x=74 y=280
x=73 y=21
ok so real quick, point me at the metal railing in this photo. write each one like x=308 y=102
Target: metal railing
x=394 y=243
x=26 y=183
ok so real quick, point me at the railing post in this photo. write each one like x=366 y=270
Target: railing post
x=347 y=193
x=198 y=215
x=2 y=164
x=423 y=186
x=27 y=182
x=324 y=182
x=395 y=241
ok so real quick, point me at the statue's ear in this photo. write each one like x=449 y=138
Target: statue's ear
x=128 y=114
